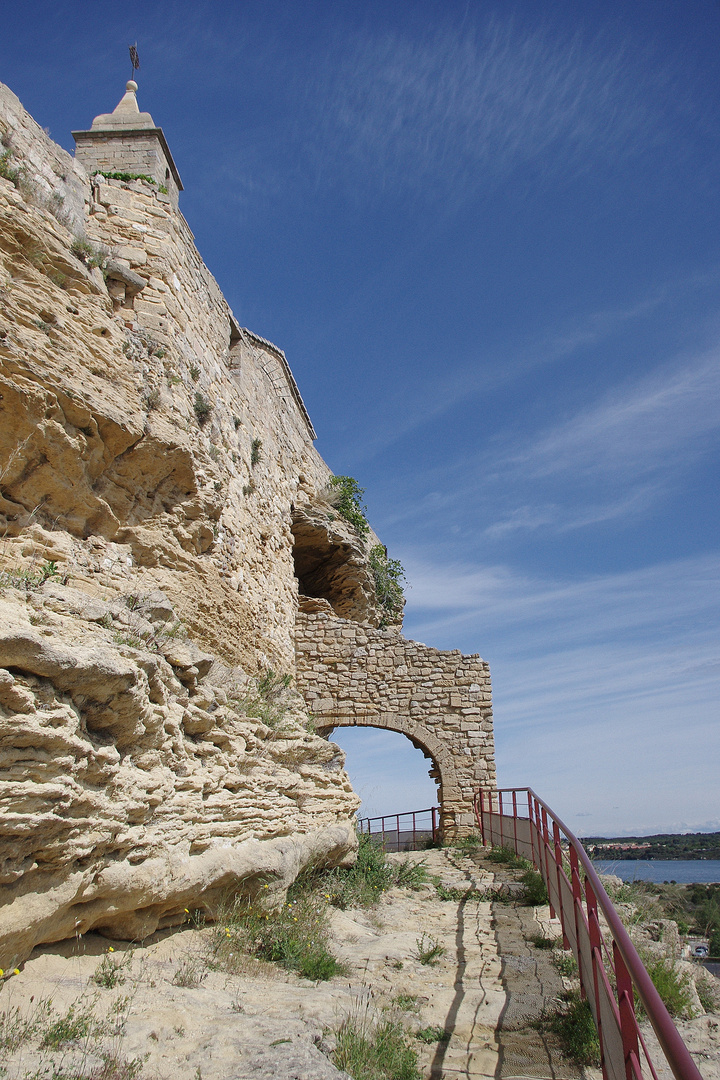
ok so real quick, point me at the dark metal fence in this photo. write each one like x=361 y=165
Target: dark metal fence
x=612 y=974
x=404 y=832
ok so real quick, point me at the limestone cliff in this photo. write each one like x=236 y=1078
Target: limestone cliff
x=158 y=482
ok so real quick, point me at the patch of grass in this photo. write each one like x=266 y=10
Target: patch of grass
x=29 y=579
x=194 y=372
x=264 y=699
x=255 y=448
x=468 y=844
x=375 y=1051
x=362 y=884
x=296 y=937
x=88 y=253
x=507 y=856
x=432 y=1035
x=575 y=1028
x=429 y=949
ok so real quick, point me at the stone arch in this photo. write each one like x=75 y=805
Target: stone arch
x=355 y=676
x=443 y=770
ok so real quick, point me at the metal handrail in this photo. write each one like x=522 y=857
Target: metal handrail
x=581 y=930
x=434 y=812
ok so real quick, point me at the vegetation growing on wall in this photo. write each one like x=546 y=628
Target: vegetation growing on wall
x=389 y=575
x=347 y=498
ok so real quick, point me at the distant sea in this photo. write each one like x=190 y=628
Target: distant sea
x=684 y=871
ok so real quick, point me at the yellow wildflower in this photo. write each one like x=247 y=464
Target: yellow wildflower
x=16 y=971
x=110 y=949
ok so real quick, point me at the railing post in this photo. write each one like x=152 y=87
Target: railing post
x=626 y=1005
x=434 y=823
x=577 y=910
x=558 y=873
x=501 y=808
x=531 y=819
x=514 y=805
x=596 y=958
x=546 y=845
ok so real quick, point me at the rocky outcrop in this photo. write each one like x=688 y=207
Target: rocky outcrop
x=331 y=563
x=142 y=776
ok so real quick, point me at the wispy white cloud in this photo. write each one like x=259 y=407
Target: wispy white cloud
x=489 y=99
x=633 y=430
x=605 y=687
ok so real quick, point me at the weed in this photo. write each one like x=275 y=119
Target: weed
x=190 y=972
x=565 y=963
x=112 y=972
x=125 y=176
x=248 y=488
x=194 y=372
x=7 y=170
x=173 y=380
x=255 y=448
x=162 y=189
x=467 y=844
x=374 y=1051
x=362 y=884
x=540 y=941
x=264 y=701
x=202 y=407
x=432 y=1035
x=429 y=949
x=346 y=495
x=152 y=399
x=672 y=986
x=575 y=1028
x=388 y=575
x=29 y=579
x=77 y=1023
x=406 y=1002
x=534 y=893
x=89 y=254
x=16 y=1029
x=236 y=422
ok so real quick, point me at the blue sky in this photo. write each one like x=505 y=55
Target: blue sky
x=486 y=235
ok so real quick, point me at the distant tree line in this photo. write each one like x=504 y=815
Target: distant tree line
x=661 y=846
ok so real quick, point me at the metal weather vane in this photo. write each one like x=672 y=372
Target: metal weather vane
x=134 y=59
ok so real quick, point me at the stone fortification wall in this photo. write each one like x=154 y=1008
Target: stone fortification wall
x=52 y=178
x=354 y=675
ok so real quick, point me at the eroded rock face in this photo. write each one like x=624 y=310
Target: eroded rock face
x=151 y=455
x=331 y=563
x=134 y=785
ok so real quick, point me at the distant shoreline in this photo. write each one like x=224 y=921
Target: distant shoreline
x=662 y=847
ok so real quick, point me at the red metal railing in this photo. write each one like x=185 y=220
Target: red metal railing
x=611 y=971
x=408 y=836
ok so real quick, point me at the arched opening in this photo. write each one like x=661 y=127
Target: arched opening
x=390 y=771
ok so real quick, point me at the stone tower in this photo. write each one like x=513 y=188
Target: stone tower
x=128 y=141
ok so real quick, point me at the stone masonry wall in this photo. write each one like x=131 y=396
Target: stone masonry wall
x=353 y=675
